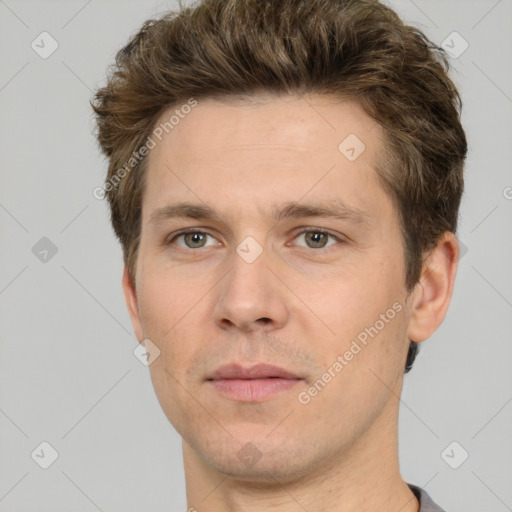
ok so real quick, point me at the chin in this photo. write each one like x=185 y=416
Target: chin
x=268 y=462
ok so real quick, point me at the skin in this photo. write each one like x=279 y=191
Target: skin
x=298 y=305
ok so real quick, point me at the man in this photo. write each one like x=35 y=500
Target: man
x=284 y=178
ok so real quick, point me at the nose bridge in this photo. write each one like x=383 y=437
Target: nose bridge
x=250 y=295
x=249 y=267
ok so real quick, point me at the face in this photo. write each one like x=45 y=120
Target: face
x=270 y=276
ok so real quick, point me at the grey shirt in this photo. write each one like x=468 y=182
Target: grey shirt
x=426 y=504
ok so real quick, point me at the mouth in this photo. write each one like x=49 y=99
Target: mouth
x=252 y=384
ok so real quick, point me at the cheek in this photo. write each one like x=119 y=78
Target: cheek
x=366 y=315
x=168 y=319
x=166 y=299
x=362 y=365
x=168 y=311
x=354 y=297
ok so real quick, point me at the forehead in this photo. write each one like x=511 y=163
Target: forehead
x=275 y=148
x=285 y=120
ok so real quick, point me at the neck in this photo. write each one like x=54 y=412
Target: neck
x=363 y=478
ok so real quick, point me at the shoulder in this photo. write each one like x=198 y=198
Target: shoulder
x=426 y=503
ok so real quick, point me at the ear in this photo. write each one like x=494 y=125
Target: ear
x=130 y=297
x=432 y=294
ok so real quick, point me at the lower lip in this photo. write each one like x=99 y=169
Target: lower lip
x=253 y=390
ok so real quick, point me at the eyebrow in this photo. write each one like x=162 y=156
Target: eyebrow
x=336 y=209
x=182 y=211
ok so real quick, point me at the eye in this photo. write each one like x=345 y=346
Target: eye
x=316 y=239
x=193 y=240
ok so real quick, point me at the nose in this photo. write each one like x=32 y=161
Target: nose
x=250 y=297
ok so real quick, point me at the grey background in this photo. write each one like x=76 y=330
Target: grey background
x=68 y=375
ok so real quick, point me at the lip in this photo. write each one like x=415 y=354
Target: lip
x=258 y=371
x=252 y=384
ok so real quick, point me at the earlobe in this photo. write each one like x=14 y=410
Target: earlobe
x=432 y=294
x=130 y=296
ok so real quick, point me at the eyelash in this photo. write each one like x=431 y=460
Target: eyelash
x=302 y=232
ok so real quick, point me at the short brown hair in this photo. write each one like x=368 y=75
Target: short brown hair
x=356 y=49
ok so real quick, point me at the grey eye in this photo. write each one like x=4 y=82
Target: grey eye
x=194 y=240
x=315 y=239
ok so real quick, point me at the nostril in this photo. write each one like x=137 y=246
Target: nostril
x=227 y=322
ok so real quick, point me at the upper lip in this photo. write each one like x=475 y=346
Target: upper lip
x=258 y=371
